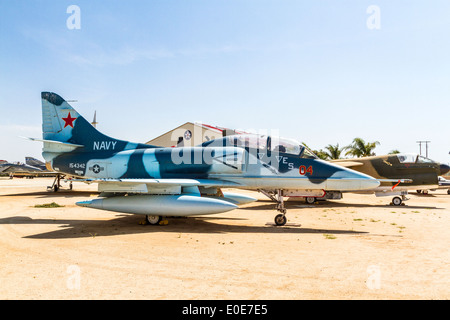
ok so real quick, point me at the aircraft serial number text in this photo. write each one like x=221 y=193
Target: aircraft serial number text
x=77 y=165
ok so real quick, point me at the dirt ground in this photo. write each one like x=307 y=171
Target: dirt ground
x=355 y=248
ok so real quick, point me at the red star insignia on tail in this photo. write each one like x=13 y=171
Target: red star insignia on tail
x=69 y=121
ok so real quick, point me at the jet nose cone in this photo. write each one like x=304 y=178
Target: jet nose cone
x=444 y=169
x=346 y=179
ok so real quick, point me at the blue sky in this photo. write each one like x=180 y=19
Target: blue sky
x=310 y=70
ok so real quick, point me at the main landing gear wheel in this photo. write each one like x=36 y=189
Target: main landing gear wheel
x=153 y=220
x=310 y=200
x=397 y=201
x=280 y=220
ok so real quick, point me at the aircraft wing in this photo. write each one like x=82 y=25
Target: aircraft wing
x=11 y=168
x=155 y=186
x=348 y=164
x=396 y=180
x=56 y=146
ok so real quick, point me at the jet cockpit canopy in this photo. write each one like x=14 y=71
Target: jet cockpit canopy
x=412 y=158
x=263 y=143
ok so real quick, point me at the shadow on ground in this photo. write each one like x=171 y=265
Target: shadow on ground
x=129 y=224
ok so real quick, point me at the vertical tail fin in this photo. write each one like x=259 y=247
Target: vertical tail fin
x=35 y=162
x=62 y=123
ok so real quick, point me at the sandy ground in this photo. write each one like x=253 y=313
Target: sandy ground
x=355 y=248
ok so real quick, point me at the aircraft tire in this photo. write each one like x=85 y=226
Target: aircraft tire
x=397 y=201
x=310 y=200
x=448 y=191
x=153 y=220
x=280 y=220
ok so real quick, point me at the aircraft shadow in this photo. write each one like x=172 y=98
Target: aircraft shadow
x=362 y=205
x=128 y=224
x=423 y=195
x=59 y=194
x=331 y=204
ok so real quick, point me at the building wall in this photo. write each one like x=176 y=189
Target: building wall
x=188 y=135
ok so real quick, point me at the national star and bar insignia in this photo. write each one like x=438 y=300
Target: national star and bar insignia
x=69 y=121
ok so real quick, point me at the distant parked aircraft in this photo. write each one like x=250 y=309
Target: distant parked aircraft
x=421 y=172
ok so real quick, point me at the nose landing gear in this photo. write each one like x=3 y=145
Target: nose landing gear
x=280 y=219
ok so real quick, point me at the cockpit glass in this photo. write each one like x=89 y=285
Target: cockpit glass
x=248 y=141
x=307 y=154
x=421 y=159
x=285 y=145
x=262 y=142
x=407 y=158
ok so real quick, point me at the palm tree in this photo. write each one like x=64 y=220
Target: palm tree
x=334 y=152
x=394 y=152
x=359 y=148
x=319 y=153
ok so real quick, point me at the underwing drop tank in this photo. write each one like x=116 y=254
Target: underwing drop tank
x=238 y=198
x=162 y=205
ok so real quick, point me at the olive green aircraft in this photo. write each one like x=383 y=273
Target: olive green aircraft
x=414 y=172
x=397 y=173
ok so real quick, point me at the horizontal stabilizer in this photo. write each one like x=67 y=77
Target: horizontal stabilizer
x=56 y=146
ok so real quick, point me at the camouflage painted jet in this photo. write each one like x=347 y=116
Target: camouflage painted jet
x=443 y=184
x=155 y=182
x=35 y=163
x=421 y=172
x=399 y=183
x=19 y=169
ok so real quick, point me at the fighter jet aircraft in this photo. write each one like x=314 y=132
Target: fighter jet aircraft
x=421 y=173
x=444 y=184
x=155 y=182
x=18 y=169
x=35 y=163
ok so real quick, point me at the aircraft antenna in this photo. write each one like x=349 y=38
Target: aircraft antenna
x=426 y=146
x=94 y=122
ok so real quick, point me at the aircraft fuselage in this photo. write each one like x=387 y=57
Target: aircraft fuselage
x=249 y=167
x=423 y=174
